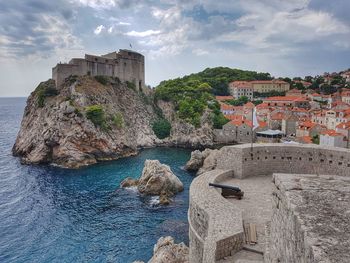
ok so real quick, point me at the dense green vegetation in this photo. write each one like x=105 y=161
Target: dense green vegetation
x=44 y=90
x=131 y=85
x=102 y=79
x=161 y=128
x=194 y=93
x=218 y=78
x=96 y=114
x=238 y=102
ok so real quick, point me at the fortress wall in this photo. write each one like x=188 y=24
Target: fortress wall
x=63 y=71
x=126 y=65
x=275 y=158
x=215 y=225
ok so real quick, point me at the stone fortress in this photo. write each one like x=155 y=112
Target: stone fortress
x=297 y=195
x=126 y=65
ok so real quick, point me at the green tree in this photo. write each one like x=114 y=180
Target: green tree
x=161 y=128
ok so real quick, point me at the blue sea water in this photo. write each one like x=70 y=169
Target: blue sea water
x=50 y=214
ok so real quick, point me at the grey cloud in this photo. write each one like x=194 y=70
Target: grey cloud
x=34 y=27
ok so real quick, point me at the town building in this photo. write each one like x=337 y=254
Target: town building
x=264 y=86
x=239 y=89
x=126 y=65
x=333 y=139
x=287 y=101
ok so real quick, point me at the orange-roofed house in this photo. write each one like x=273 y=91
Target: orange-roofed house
x=238 y=130
x=308 y=128
x=345 y=97
x=333 y=138
x=223 y=98
x=344 y=128
x=287 y=101
x=294 y=93
x=275 y=120
x=226 y=109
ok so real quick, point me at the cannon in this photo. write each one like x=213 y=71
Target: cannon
x=229 y=191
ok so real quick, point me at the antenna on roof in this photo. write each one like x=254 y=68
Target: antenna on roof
x=130 y=45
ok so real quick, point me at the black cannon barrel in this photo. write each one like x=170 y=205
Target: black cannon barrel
x=234 y=188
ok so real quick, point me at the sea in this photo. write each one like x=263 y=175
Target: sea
x=52 y=214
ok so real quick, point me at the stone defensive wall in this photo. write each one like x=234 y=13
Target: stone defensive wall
x=266 y=159
x=213 y=232
x=215 y=225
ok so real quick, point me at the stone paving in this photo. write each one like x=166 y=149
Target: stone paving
x=256 y=207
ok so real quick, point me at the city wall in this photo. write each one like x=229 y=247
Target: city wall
x=215 y=225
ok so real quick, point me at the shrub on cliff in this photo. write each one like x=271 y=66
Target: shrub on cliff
x=102 y=79
x=161 y=128
x=118 y=120
x=45 y=89
x=96 y=114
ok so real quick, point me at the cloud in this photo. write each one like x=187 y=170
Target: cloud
x=100 y=28
x=108 y=4
x=36 y=28
x=146 y=33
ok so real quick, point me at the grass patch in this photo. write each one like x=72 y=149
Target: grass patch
x=118 y=120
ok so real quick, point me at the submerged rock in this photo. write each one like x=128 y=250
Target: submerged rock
x=129 y=182
x=157 y=177
x=197 y=159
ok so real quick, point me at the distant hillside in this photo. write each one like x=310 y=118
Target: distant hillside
x=218 y=78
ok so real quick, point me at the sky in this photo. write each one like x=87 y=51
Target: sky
x=283 y=37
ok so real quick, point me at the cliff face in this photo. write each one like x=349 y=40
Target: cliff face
x=57 y=129
x=184 y=134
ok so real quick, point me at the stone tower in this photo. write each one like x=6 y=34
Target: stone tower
x=127 y=65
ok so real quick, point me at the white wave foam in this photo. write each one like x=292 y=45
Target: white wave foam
x=132 y=189
x=154 y=200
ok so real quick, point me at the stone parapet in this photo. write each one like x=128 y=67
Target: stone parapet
x=310 y=219
x=216 y=228
x=265 y=159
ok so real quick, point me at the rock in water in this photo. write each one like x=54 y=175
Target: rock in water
x=197 y=159
x=129 y=182
x=157 y=177
x=166 y=251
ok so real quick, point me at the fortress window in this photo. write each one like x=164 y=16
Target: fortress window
x=321 y=160
x=310 y=159
x=330 y=161
x=96 y=59
x=340 y=163
x=265 y=157
x=106 y=60
x=348 y=164
x=124 y=64
x=274 y=157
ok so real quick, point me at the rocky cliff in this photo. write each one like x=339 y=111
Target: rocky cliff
x=90 y=120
